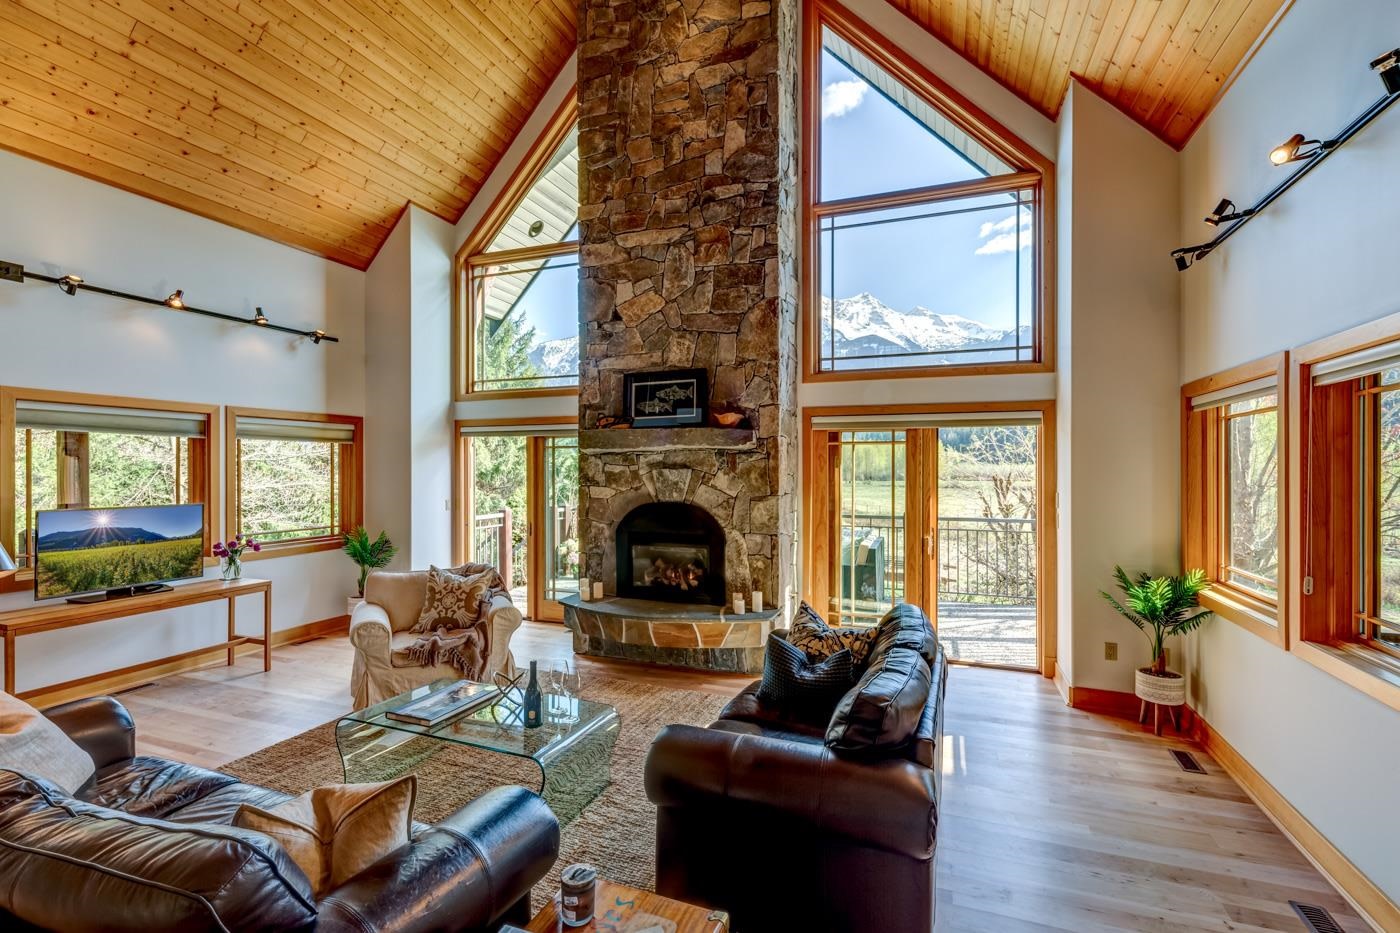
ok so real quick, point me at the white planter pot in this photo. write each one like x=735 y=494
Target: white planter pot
x=1165 y=689
x=351 y=602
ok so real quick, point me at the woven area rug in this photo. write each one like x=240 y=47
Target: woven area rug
x=617 y=831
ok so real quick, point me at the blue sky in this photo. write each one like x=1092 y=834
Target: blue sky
x=951 y=265
x=173 y=521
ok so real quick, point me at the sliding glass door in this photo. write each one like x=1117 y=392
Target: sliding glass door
x=943 y=512
x=520 y=492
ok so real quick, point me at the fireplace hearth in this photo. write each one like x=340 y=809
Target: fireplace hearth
x=671 y=551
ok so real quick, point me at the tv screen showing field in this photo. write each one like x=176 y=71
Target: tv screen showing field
x=89 y=550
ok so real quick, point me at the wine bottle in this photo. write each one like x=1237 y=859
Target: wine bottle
x=532 y=700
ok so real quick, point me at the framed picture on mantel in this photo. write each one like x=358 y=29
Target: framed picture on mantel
x=666 y=399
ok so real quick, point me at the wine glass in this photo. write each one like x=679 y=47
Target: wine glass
x=570 y=680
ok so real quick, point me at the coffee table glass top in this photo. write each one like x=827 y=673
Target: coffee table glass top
x=499 y=727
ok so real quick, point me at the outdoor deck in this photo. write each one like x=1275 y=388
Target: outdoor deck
x=1000 y=635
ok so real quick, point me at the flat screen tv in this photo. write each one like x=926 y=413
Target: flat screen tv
x=116 y=552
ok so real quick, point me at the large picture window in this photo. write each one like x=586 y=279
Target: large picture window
x=60 y=450
x=926 y=240
x=518 y=277
x=1232 y=492
x=294 y=479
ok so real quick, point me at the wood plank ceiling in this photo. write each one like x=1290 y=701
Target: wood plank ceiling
x=314 y=122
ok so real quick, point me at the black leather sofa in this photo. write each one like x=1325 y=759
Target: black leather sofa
x=791 y=819
x=148 y=846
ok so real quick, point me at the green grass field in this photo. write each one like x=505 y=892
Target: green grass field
x=103 y=568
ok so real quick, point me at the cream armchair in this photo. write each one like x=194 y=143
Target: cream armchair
x=379 y=632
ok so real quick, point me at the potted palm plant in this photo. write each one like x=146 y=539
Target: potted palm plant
x=369 y=554
x=1160 y=607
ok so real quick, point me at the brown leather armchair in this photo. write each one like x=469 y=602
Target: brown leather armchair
x=756 y=815
x=148 y=845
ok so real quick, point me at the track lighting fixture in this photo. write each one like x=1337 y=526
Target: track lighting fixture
x=1388 y=67
x=1308 y=153
x=1225 y=213
x=70 y=284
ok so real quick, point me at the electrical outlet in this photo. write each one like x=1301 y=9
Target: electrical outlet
x=1110 y=651
x=11 y=271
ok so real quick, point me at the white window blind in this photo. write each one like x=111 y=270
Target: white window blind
x=516 y=430
x=918 y=421
x=1350 y=366
x=287 y=429
x=1255 y=388
x=58 y=416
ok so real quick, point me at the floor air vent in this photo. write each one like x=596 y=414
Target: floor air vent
x=1317 y=919
x=1187 y=761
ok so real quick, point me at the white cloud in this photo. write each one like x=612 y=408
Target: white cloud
x=841 y=97
x=1000 y=236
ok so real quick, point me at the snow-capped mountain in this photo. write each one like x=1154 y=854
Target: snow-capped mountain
x=865 y=327
x=556 y=357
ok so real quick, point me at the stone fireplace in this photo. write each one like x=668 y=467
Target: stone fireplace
x=688 y=259
x=672 y=552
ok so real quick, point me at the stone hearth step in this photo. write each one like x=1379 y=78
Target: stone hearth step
x=707 y=638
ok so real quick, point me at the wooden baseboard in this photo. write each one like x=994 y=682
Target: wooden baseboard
x=1062 y=685
x=147 y=671
x=1368 y=900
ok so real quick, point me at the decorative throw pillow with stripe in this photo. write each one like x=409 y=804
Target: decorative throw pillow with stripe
x=792 y=679
x=810 y=632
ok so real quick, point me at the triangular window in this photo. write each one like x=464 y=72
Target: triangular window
x=549 y=211
x=878 y=135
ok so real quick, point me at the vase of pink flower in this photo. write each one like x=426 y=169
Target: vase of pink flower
x=230 y=555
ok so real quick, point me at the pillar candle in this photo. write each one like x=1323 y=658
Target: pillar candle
x=757 y=600
x=597 y=589
x=738 y=604
x=584 y=592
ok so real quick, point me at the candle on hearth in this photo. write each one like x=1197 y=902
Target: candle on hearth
x=584 y=592
x=738 y=604
x=757 y=600
x=597 y=589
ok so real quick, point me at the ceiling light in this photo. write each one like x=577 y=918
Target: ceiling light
x=176 y=300
x=260 y=319
x=1388 y=67
x=1183 y=259
x=69 y=283
x=536 y=229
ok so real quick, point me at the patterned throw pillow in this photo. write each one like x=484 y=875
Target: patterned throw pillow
x=452 y=601
x=810 y=632
x=790 y=678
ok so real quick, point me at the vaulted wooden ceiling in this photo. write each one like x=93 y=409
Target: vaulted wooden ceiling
x=314 y=122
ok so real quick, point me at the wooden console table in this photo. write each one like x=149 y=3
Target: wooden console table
x=49 y=618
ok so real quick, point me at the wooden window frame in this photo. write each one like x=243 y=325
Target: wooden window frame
x=1205 y=500
x=204 y=478
x=1034 y=171
x=351 y=470
x=472 y=256
x=815 y=514
x=1324 y=627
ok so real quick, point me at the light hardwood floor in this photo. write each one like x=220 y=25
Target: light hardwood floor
x=1052 y=818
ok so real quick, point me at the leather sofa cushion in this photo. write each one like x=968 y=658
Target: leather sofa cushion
x=71 y=865
x=881 y=712
x=748 y=707
x=906 y=626
x=221 y=805
x=152 y=786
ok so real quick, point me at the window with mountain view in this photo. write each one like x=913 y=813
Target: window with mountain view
x=521 y=286
x=925 y=232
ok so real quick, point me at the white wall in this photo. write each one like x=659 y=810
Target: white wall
x=55 y=222
x=1318 y=261
x=1120 y=424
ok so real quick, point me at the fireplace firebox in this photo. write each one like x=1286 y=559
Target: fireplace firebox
x=671 y=551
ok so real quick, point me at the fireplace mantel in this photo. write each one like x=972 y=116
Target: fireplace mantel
x=627 y=440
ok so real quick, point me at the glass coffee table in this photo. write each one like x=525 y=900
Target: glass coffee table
x=572 y=748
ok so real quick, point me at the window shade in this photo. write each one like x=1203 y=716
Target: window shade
x=57 y=416
x=516 y=430
x=917 y=421
x=1255 y=388
x=1350 y=366
x=286 y=429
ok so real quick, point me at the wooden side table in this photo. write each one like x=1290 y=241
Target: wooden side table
x=621 y=909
